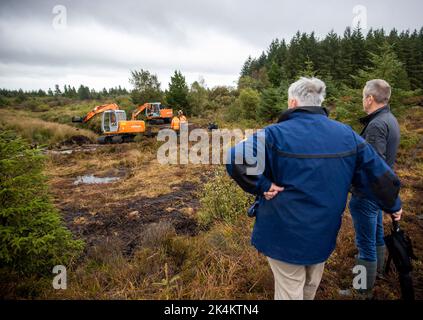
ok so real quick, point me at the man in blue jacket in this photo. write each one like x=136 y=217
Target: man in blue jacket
x=301 y=170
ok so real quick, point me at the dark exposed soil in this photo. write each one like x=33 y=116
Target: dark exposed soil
x=77 y=140
x=124 y=223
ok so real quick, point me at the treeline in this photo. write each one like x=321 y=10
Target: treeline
x=343 y=62
x=195 y=99
x=337 y=57
x=83 y=93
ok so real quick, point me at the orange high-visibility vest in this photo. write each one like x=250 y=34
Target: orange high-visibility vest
x=174 y=125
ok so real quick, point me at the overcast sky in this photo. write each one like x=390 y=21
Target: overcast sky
x=99 y=42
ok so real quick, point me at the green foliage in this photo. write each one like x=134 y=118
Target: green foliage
x=222 y=200
x=336 y=56
x=83 y=92
x=384 y=65
x=146 y=87
x=249 y=100
x=3 y=101
x=409 y=140
x=177 y=95
x=32 y=237
x=235 y=112
x=275 y=74
x=197 y=98
x=273 y=102
x=349 y=107
x=308 y=70
x=245 y=82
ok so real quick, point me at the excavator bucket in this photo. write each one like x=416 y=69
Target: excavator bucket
x=77 y=119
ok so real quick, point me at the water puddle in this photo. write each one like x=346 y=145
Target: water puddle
x=92 y=179
x=71 y=151
x=61 y=152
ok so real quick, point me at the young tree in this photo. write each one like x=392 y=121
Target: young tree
x=177 y=95
x=32 y=236
x=384 y=66
x=249 y=100
x=41 y=93
x=308 y=70
x=197 y=98
x=275 y=74
x=57 y=91
x=83 y=92
x=246 y=68
x=146 y=87
x=273 y=102
x=21 y=96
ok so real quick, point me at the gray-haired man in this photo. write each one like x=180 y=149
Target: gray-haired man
x=310 y=161
x=381 y=131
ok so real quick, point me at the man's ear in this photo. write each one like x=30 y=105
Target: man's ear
x=292 y=103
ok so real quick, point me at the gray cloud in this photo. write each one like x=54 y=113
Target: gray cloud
x=105 y=39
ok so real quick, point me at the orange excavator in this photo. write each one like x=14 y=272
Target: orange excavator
x=115 y=127
x=154 y=113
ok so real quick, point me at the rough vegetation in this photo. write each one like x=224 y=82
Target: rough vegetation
x=181 y=231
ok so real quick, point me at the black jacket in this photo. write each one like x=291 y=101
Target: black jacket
x=382 y=131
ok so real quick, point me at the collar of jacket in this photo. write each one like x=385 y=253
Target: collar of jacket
x=366 y=120
x=314 y=110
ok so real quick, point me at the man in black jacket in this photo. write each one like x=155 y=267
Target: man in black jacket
x=381 y=130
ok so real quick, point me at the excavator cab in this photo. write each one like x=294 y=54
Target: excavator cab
x=110 y=120
x=154 y=110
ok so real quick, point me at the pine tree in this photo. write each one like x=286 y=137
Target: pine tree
x=57 y=91
x=32 y=235
x=273 y=102
x=385 y=66
x=83 y=92
x=308 y=70
x=275 y=74
x=246 y=68
x=177 y=95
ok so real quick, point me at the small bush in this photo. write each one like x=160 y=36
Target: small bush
x=157 y=233
x=32 y=237
x=222 y=200
x=409 y=140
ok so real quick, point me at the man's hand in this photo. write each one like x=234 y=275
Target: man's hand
x=396 y=216
x=273 y=191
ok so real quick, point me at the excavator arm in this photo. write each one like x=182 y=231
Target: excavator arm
x=95 y=111
x=138 y=110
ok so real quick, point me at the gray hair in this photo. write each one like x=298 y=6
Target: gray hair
x=379 y=89
x=308 y=91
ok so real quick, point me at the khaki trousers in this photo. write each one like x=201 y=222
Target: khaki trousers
x=295 y=282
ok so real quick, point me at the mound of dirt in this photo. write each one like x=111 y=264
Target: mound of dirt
x=77 y=140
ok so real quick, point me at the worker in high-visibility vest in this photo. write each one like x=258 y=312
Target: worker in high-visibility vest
x=174 y=125
x=178 y=121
